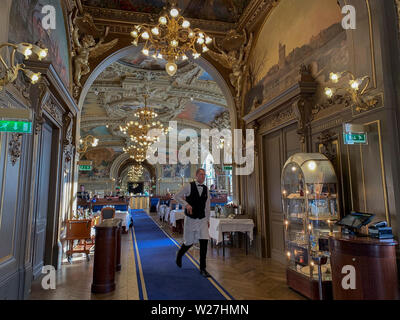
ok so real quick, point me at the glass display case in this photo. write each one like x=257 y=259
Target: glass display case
x=311 y=209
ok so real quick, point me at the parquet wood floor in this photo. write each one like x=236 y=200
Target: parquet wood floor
x=244 y=277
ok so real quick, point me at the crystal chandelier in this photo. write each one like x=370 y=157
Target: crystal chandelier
x=136 y=153
x=171 y=39
x=138 y=130
x=135 y=172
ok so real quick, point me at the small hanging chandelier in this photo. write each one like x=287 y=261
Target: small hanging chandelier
x=138 y=130
x=136 y=153
x=135 y=172
x=171 y=39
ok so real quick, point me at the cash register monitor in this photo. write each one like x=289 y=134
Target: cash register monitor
x=356 y=220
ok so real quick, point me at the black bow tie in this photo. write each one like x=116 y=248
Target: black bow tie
x=201 y=185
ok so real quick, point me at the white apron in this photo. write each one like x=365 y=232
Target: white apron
x=194 y=230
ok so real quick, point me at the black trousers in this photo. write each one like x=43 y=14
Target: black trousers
x=203 y=252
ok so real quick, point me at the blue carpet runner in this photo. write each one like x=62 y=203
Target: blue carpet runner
x=159 y=278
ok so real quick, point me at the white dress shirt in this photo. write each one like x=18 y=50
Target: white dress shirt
x=185 y=192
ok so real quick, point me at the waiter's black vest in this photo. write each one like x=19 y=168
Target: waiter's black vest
x=198 y=203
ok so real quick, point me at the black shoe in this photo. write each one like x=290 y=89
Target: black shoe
x=178 y=260
x=205 y=274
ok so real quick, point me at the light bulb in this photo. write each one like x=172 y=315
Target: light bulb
x=145 y=35
x=171 y=68
x=196 y=55
x=34 y=77
x=174 y=43
x=145 y=52
x=329 y=92
x=355 y=84
x=184 y=57
x=208 y=40
x=312 y=165
x=174 y=12
x=163 y=20
x=159 y=56
x=134 y=34
x=191 y=34
x=155 y=31
x=200 y=40
x=40 y=52
x=334 y=77
x=25 y=49
x=185 y=24
x=205 y=49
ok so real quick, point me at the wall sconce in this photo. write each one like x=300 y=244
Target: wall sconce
x=86 y=142
x=11 y=71
x=355 y=88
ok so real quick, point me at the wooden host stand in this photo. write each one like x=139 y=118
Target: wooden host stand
x=374 y=262
x=107 y=255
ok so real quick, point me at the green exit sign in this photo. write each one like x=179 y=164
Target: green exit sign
x=355 y=138
x=227 y=168
x=85 y=168
x=15 y=126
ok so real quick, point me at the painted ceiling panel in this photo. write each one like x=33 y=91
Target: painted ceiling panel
x=220 y=10
x=200 y=112
x=98 y=131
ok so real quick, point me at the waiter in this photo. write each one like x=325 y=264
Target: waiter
x=195 y=197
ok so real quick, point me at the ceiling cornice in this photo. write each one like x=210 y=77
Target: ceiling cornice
x=256 y=10
x=122 y=22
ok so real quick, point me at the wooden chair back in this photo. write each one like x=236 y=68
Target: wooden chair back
x=78 y=229
x=107 y=213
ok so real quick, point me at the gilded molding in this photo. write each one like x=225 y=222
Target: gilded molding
x=15 y=147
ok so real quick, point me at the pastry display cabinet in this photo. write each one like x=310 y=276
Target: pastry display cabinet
x=311 y=208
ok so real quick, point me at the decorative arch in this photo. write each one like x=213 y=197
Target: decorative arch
x=202 y=62
x=123 y=161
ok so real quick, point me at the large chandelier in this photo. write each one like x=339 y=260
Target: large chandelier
x=138 y=130
x=171 y=39
x=136 y=153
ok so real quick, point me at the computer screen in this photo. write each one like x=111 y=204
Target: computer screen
x=356 y=220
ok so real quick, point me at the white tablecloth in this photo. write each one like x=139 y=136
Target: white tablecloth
x=220 y=225
x=176 y=215
x=124 y=216
x=161 y=210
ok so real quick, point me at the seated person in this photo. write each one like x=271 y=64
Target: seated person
x=83 y=194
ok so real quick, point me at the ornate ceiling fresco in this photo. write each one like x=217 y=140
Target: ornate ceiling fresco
x=192 y=98
x=220 y=10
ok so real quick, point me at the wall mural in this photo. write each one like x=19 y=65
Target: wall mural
x=201 y=112
x=296 y=32
x=222 y=10
x=102 y=160
x=26 y=26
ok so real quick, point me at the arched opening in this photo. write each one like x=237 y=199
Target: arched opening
x=124 y=57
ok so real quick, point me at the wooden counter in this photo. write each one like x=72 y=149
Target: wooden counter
x=374 y=263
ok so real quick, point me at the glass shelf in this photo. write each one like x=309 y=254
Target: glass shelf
x=311 y=208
